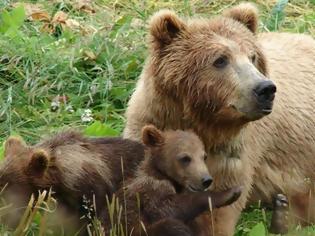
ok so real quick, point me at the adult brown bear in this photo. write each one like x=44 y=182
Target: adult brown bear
x=212 y=75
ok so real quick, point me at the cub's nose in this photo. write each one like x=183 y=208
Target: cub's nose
x=265 y=91
x=206 y=181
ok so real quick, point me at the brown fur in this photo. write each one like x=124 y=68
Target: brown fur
x=179 y=88
x=247 y=15
x=163 y=183
x=72 y=165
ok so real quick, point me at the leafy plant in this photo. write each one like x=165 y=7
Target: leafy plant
x=11 y=21
x=99 y=129
x=258 y=230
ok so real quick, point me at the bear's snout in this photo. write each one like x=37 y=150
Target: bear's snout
x=265 y=91
x=206 y=181
x=265 y=94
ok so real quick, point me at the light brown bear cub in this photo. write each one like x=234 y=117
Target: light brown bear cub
x=171 y=184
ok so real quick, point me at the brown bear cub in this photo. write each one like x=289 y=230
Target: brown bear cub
x=77 y=169
x=171 y=184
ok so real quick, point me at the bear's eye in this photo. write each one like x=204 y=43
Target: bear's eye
x=221 y=62
x=253 y=58
x=185 y=160
x=205 y=157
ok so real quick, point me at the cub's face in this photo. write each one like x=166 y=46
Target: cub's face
x=180 y=156
x=212 y=66
x=20 y=167
x=23 y=172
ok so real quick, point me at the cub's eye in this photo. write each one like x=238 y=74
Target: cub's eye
x=205 y=157
x=185 y=160
x=253 y=58
x=221 y=62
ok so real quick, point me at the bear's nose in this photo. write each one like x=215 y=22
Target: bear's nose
x=265 y=91
x=206 y=181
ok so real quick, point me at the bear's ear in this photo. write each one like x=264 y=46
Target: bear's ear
x=164 y=26
x=14 y=145
x=245 y=13
x=38 y=163
x=151 y=136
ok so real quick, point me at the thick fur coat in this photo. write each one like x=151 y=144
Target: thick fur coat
x=203 y=74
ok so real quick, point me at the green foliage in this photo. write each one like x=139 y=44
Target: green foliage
x=250 y=218
x=277 y=15
x=99 y=129
x=306 y=231
x=1 y=152
x=258 y=230
x=10 y=22
x=36 y=69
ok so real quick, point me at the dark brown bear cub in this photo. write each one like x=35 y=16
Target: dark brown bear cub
x=171 y=184
x=74 y=166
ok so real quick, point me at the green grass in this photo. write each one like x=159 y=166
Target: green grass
x=97 y=64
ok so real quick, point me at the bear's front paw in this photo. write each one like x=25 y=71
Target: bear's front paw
x=279 y=220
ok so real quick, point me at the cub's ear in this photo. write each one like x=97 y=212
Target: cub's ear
x=164 y=26
x=152 y=136
x=38 y=163
x=245 y=13
x=14 y=145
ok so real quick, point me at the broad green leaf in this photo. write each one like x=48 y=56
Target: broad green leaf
x=5 y=21
x=258 y=230
x=12 y=21
x=18 y=16
x=99 y=129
